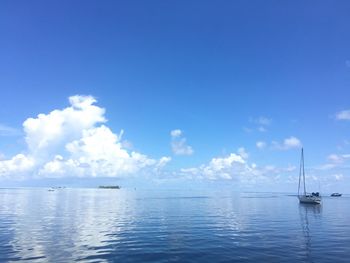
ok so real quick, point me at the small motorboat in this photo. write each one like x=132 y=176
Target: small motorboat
x=336 y=195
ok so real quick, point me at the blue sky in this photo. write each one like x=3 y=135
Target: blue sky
x=226 y=75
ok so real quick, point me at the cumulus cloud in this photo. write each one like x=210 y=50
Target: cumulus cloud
x=220 y=168
x=75 y=142
x=343 y=115
x=49 y=131
x=98 y=152
x=231 y=166
x=178 y=143
x=288 y=143
x=236 y=167
x=17 y=165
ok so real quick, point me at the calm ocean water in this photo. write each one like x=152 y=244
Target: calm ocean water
x=104 y=225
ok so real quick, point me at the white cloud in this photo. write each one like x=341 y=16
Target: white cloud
x=16 y=166
x=98 y=153
x=260 y=144
x=242 y=152
x=337 y=159
x=72 y=142
x=176 y=133
x=343 y=115
x=51 y=130
x=230 y=167
x=287 y=144
x=220 y=168
x=235 y=166
x=291 y=142
x=178 y=143
x=163 y=161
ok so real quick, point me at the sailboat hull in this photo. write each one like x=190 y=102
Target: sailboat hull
x=309 y=199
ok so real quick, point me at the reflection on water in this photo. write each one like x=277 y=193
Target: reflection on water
x=41 y=222
x=306 y=211
x=139 y=226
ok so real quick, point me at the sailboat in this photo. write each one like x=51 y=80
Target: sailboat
x=313 y=198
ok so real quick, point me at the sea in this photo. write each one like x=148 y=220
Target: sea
x=131 y=225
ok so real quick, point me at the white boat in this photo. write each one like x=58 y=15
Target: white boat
x=336 y=195
x=310 y=199
x=306 y=198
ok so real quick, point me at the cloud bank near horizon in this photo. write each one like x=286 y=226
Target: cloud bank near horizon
x=75 y=141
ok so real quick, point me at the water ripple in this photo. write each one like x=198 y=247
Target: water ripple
x=129 y=226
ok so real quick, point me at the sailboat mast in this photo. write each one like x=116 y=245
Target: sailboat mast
x=302 y=157
x=300 y=170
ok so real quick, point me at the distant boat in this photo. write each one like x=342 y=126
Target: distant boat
x=109 y=187
x=313 y=198
x=336 y=195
